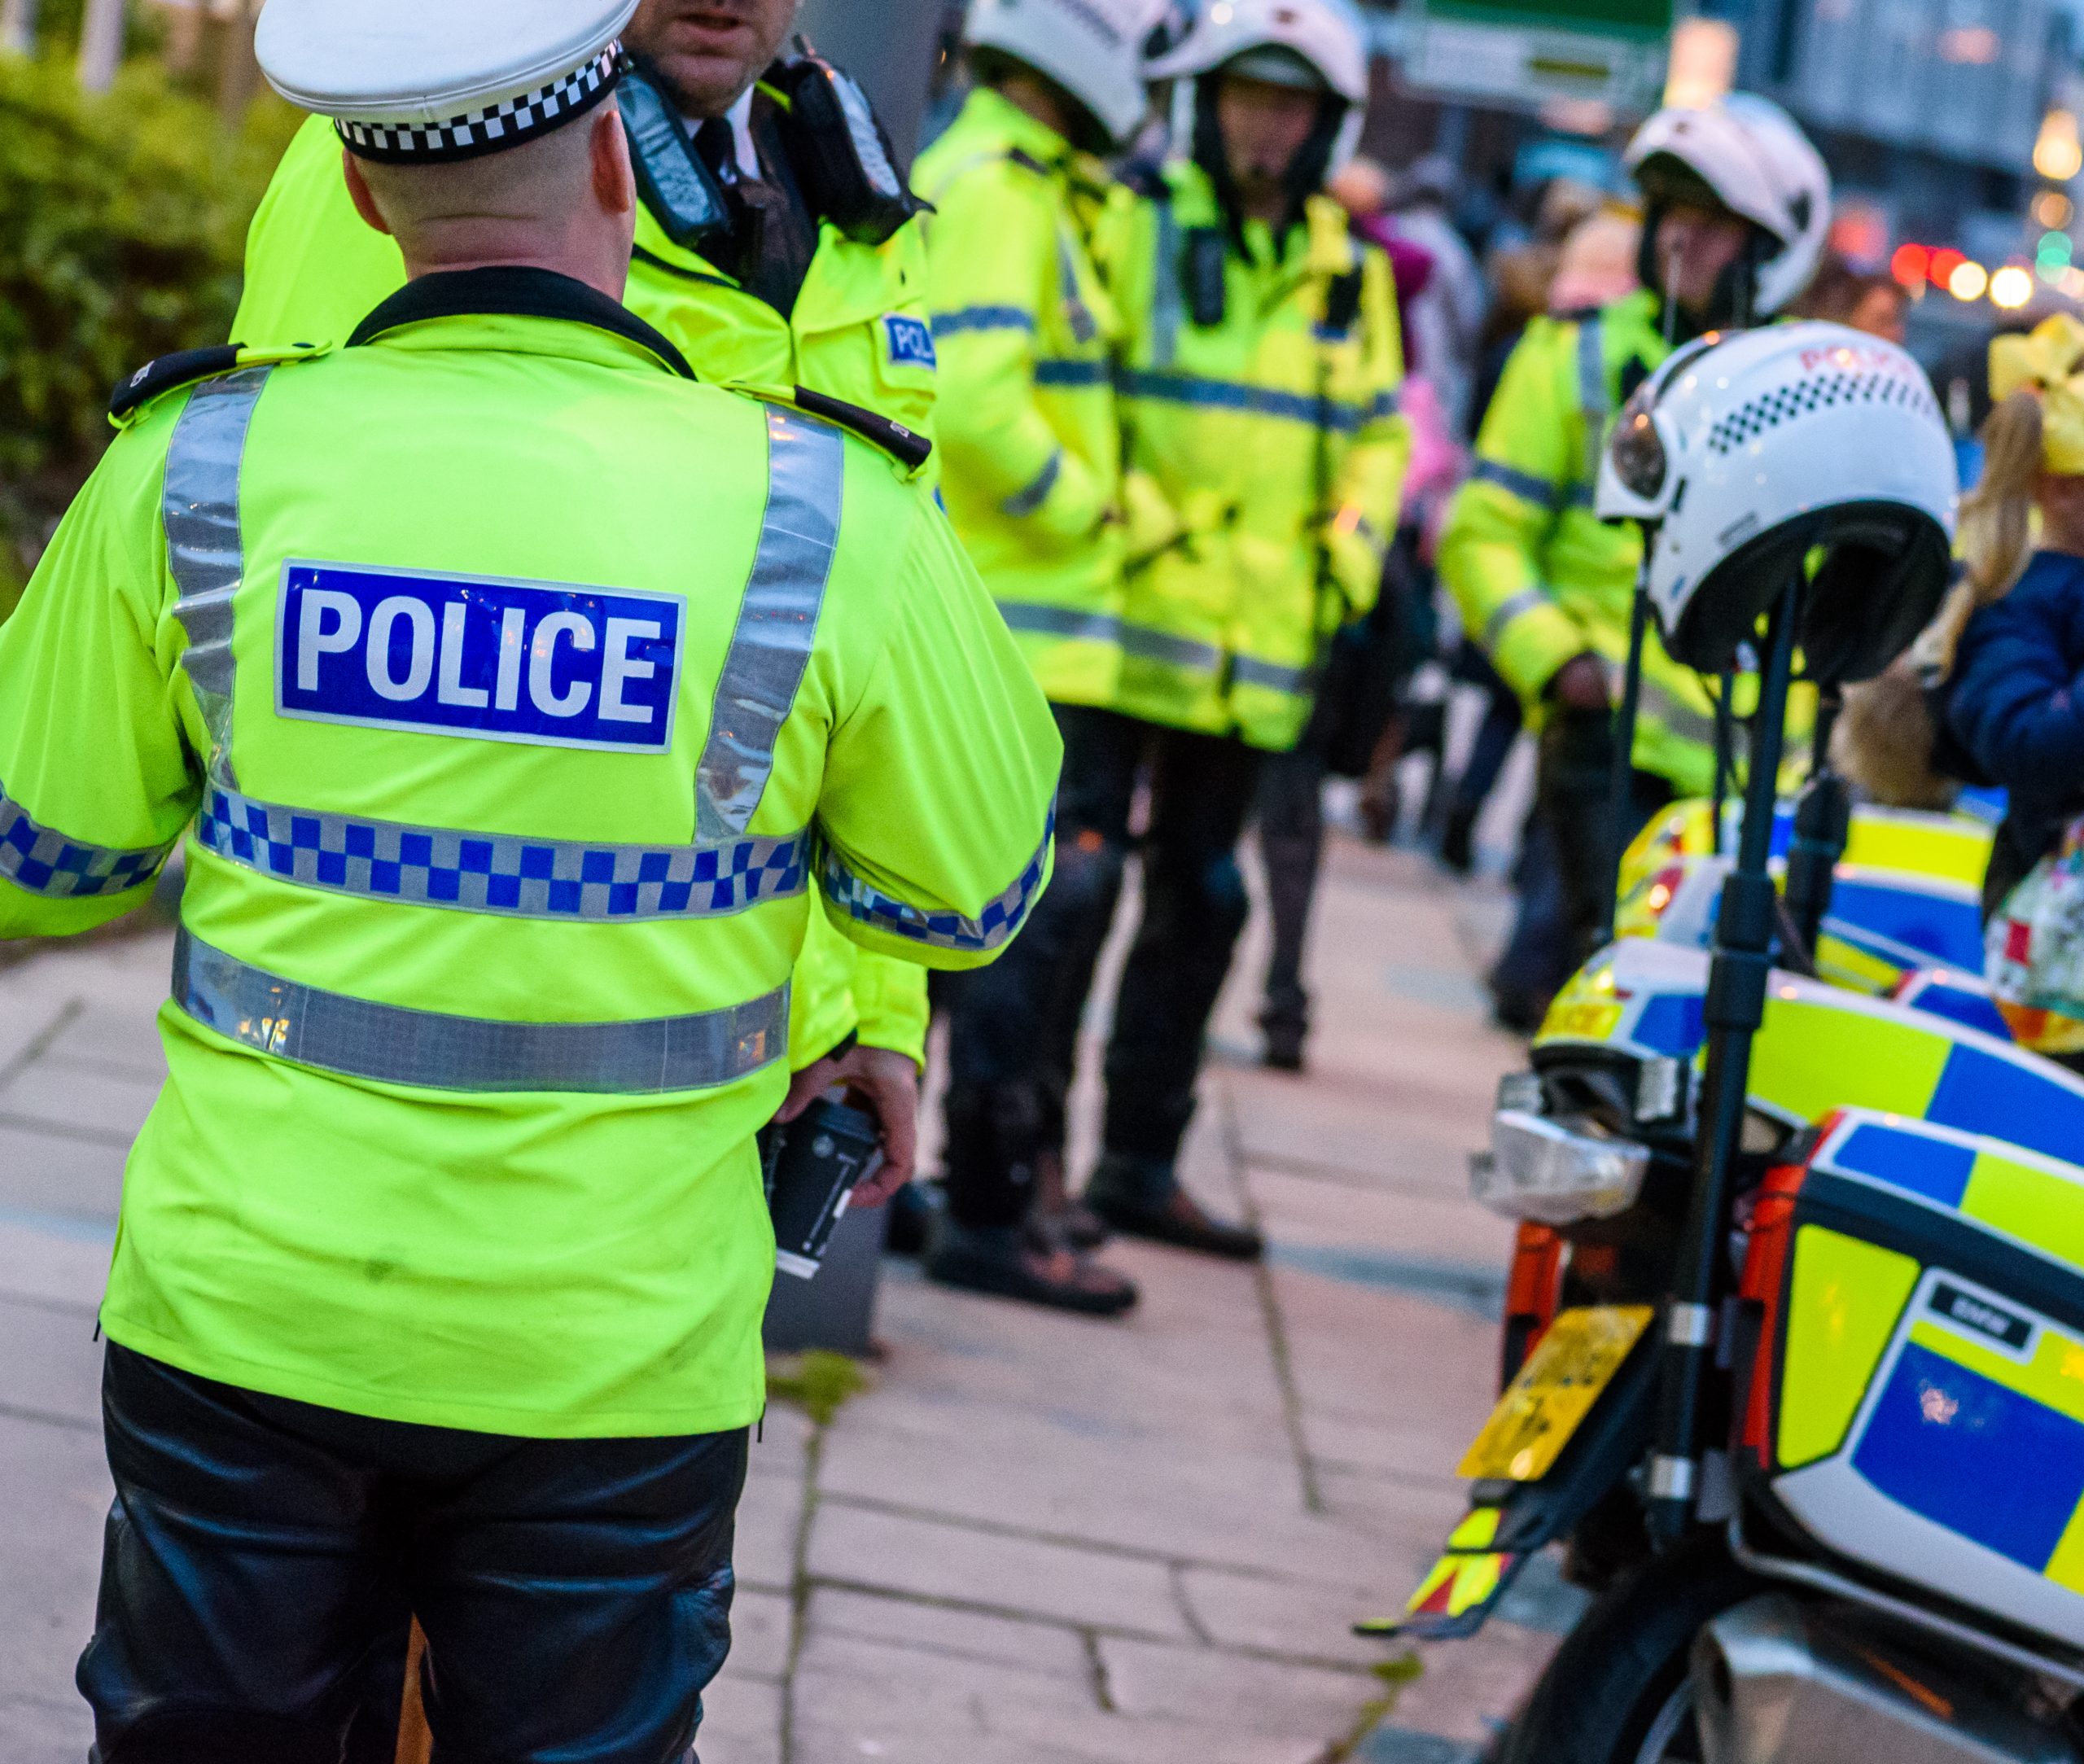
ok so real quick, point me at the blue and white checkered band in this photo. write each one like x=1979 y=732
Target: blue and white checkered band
x=504 y=125
x=860 y=898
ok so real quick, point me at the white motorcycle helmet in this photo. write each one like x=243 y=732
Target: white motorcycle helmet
x=1756 y=163
x=1093 y=49
x=1283 y=42
x=1746 y=452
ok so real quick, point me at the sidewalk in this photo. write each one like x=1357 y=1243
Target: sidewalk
x=1033 y=1539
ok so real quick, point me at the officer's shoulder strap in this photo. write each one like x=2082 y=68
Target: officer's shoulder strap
x=909 y=447
x=188 y=367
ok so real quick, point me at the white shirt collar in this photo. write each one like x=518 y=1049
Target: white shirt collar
x=739 y=116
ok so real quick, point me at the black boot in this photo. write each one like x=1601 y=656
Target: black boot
x=1008 y=1263
x=1142 y=1197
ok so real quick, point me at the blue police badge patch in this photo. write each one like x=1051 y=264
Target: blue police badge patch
x=910 y=341
x=542 y=662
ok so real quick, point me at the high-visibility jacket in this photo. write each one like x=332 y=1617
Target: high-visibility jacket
x=858 y=332
x=1273 y=442
x=1539 y=578
x=517 y=695
x=1026 y=332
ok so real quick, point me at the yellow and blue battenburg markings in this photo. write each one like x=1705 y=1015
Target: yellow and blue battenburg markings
x=1978 y=1425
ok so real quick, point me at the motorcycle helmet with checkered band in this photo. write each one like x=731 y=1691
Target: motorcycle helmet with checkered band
x=1802 y=449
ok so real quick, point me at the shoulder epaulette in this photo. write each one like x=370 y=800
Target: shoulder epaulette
x=909 y=447
x=1026 y=161
x=184 y=367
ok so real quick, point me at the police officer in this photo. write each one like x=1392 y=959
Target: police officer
x=1265 y=458
x=1029 y=434
x=776 y=245
x=1737 y=208
x=518 y=691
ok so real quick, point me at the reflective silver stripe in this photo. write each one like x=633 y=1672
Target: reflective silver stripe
x=1149 y=646
x=1249 y=671
x=200 y=509
x=1592 y=391
x=431 y=1050
x=778 y=620
x=1031 y=496
x=1525 y=601
x=1045 y=621
x=503 y=874
x=41 y=860
x=1681 y=719
x=1077 y=315
x=860 y=898
x=1166 y=302
x=1522 y=484
x=981 y=319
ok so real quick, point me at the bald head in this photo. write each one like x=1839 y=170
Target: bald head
x=565 y=201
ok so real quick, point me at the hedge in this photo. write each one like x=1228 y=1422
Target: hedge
x=122 y=223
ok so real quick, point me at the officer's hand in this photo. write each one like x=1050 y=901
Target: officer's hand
x=1580 y=685
x=887 y=1084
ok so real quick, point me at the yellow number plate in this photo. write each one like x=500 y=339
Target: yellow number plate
x=1554 y=1392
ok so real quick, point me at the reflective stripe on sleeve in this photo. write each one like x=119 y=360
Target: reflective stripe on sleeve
x=432 y=1050
x=1248 y=671
x=778 y=620
x=1526 y=600
x=1148 y=645
x=1031 y=496
x=502 y=873
x=966 y=319
x=1253 y=400
x=41 y=860
x=861 y=899
x=1522 y=484
x=1077 y=315
x=1044 y=621
x=1059 y=372
x=199 y=507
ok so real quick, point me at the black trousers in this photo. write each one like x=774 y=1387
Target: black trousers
x=1012 y=1040
x=1292 y=847
x=1574 y=794
x=262 y=1556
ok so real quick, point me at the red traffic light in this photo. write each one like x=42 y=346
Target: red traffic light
x=1911 y=265
x=1945 y=261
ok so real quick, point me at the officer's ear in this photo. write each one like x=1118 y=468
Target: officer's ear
x=614 y=180
x=358 y=189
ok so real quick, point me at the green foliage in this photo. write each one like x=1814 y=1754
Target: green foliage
x=122 y=225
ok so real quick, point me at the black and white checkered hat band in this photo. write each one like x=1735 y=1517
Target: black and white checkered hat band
x=500 y=125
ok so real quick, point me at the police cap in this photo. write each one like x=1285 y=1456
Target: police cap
x=418 y=82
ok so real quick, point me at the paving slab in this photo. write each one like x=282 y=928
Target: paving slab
x=962 y=1565
x=90 y=1100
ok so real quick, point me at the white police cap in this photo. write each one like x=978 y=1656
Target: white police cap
x=421 y=82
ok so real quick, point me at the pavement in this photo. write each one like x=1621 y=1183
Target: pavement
x=1031 y=1539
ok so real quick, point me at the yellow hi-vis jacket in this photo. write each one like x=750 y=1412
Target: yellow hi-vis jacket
x=516 y=694
x=858 y=332
x=1026 y=423
x=1265 y=459
x=1539 y=578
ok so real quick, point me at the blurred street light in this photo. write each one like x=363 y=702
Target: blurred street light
x=2052 y=208
x=1703 y=61
x=2059 y=154
x=1968 y=281
x=2011 y=287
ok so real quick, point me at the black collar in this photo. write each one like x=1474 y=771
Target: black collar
x=517 y=291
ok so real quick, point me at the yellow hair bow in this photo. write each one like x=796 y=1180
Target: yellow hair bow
x=2049 y=362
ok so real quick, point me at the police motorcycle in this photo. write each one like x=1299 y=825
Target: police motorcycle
x=1796 y=1329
